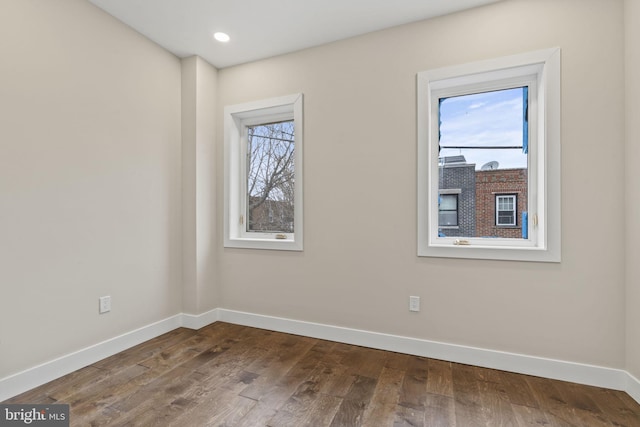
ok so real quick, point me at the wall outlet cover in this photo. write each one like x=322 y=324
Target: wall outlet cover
x=105 y=305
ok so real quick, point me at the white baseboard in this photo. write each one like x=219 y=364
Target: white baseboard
x=197 y=321
x=633 y=387
x=616 y=379
x=549 y=368
x=49 y=371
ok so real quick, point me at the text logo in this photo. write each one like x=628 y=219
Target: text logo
x=34 y=415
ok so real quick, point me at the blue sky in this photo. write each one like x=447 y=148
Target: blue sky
x=484 y=119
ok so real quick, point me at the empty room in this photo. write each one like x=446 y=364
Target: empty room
x=322 y=213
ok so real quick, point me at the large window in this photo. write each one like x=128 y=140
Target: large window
x=263 y=174
x=491 y=128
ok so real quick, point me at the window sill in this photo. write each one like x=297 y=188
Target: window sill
x=475 y=251
x=267 y=244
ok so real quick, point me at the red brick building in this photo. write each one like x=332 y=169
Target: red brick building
x=271 y=216
x=501 y=198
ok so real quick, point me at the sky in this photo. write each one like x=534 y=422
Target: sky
x=484 y=119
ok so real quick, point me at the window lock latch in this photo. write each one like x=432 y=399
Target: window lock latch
x=459 y=242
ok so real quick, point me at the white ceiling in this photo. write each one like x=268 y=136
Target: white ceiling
x=264 y=28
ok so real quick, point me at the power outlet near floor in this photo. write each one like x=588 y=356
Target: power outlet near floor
x=105 y=304
x=414 y=303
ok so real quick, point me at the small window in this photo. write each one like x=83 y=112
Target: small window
x=491 y=129
x=263 y=174
x=448 y=215
x=506 y=210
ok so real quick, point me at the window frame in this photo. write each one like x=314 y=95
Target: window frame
x=514 y=201
x=540 y=71
x=237 y=118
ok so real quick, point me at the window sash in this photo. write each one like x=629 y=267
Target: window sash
x=492 y=83
x=277 y=165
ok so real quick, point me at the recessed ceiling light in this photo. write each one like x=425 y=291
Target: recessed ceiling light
x=222 y=37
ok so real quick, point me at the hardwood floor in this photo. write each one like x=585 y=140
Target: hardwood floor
x=230 y=375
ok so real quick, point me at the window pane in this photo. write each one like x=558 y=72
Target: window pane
x=448 y=218
x=505 y=218
x=448 y=202
x=505 y=203
x=483 y=150
x=270 y=177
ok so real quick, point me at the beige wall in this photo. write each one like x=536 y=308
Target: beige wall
x=89 y=180
x=199 y=82
x=359 y=264
x=632 y=38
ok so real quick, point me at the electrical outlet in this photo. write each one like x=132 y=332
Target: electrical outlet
x=414 y=303
x=105 y=304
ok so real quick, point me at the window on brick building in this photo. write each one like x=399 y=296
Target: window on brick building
x=448 y=210
x=506 y=210
x=491 y=129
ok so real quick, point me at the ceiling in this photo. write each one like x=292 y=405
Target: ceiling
x=264 y=28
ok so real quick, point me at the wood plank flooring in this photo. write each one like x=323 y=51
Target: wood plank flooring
x=230 y=375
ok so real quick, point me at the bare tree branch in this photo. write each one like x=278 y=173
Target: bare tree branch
x=271 y=174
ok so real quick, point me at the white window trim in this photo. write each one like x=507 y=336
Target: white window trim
x=543 y=242
x=236 y=120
